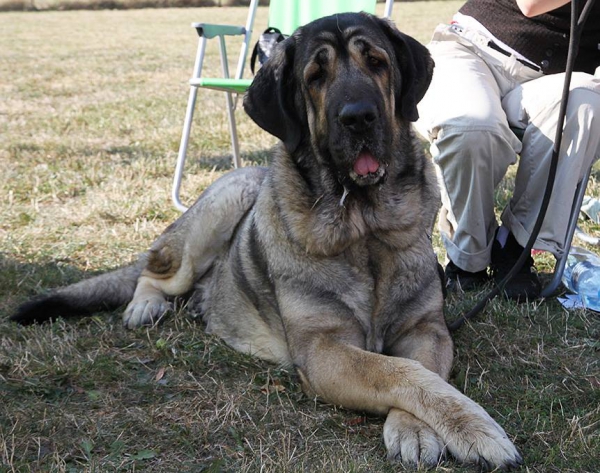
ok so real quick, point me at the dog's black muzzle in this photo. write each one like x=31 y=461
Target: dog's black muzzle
x=358 y=117
x=357 y=135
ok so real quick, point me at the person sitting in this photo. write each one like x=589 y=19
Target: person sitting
x=501 y=64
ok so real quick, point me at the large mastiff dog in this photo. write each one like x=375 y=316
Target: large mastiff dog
x=323 y=261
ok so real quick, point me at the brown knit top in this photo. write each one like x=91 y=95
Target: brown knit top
x=543 y=39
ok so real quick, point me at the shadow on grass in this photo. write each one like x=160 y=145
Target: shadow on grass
x=224 y=162
x=22 y=280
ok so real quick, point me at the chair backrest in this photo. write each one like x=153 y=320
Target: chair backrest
x=287 y=15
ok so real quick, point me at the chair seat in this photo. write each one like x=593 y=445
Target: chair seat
x=238 y=86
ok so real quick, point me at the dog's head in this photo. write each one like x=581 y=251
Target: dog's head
x=342 y=85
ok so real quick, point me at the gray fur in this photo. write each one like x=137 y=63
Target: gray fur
x=324 y=261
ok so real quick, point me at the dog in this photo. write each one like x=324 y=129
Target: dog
x=323 y=261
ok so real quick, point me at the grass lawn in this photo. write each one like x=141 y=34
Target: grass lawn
x=91 y=110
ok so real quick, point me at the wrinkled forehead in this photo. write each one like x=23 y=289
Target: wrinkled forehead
x=340 y=32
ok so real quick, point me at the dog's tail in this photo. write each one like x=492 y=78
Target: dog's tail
x=104 y=292
x=200 y=233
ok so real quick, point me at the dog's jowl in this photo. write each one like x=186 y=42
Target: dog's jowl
x=323 y=261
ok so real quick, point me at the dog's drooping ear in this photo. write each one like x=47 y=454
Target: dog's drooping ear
x=416 y=69
x=270 y=99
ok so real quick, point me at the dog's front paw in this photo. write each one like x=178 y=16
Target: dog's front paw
x=146 y=311
x=474 y=437
x=410 y=441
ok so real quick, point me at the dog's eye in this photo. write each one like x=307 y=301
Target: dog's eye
x=375 y=62
x=316 y=75
x=322 y=57
x=316 y=71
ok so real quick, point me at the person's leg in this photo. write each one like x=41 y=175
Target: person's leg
x=472 y=145
x=535 y=106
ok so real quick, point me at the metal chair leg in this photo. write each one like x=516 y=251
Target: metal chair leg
x=237 y=161
x=230 y=104
x=571 y=227
x=185 y=137
x=187 y=126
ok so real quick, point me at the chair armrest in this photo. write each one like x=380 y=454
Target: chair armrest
x=209 y=30
x=237 y=86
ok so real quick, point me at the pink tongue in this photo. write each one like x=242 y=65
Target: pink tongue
x=365 y=164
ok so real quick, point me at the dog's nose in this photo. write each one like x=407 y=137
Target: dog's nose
x=358 y=116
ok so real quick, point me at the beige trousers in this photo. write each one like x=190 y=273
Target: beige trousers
x=475 y=96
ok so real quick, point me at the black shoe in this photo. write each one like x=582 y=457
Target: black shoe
x=525 y=285
x=457 y=278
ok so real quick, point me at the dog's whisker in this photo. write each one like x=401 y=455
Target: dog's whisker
x=316 y=202
x=344 y=195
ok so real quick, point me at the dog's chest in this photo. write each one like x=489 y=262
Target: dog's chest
x=384 y=280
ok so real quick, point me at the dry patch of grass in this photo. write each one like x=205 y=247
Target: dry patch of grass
x=90 y=120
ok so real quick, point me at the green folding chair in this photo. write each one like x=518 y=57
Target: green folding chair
x=286 y=15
